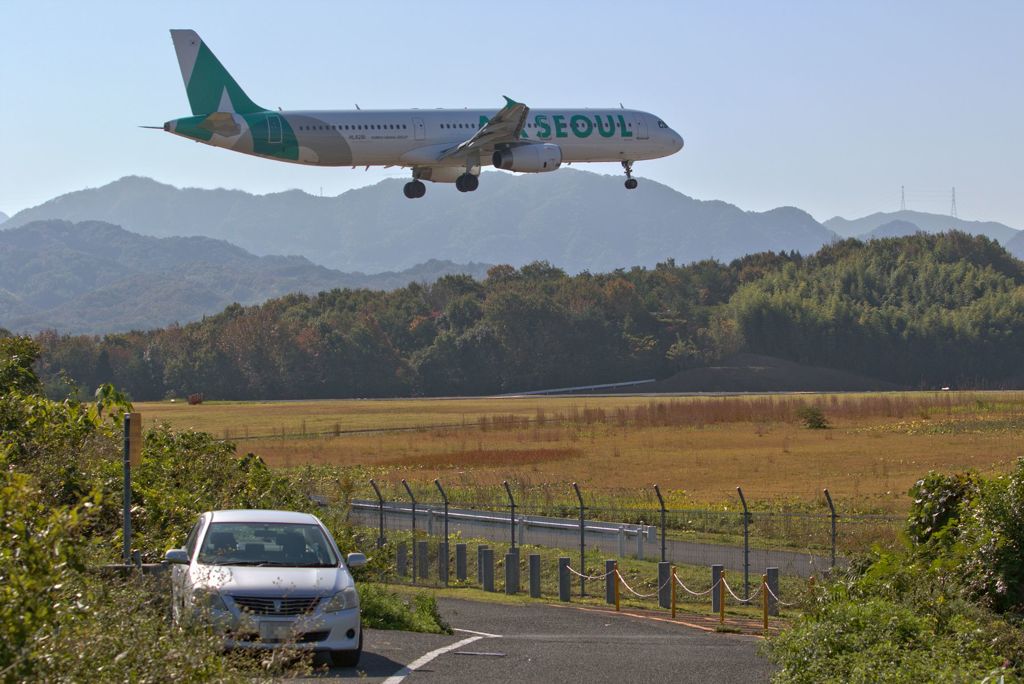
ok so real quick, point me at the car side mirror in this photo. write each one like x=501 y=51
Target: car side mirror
x=355 y=560
x=177 y=557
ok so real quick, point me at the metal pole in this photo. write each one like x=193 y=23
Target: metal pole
x=413 y=497
x=512 y=515
x=662 y=502
x=832 y=508
x=444 y=497
x=380 y=499
x=583 y=546
x=746 y=546
x=126 y=550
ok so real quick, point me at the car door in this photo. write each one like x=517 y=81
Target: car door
x=180 y=573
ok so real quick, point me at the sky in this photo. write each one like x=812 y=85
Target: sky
x=827 y=106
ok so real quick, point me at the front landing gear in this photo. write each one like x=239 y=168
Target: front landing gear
x=415 y=189
x=467 y=182
x=631 y=183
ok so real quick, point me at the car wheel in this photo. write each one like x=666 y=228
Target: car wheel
x=348 y=658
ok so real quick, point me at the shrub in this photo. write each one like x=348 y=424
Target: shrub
x=813 y=418
x=383 y=609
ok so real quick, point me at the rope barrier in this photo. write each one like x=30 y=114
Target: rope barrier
x=694 y=593
x=588 y=577
x=635 y=593
x=729 y=589
x=781 y=602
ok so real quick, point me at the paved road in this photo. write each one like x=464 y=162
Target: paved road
x=543 y=643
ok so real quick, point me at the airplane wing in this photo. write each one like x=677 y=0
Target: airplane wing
x=504 y=127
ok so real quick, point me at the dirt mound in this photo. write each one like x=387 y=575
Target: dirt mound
x=755 y=373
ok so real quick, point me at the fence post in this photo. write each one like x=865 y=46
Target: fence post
x=444 y=499
x=716 y=597
x=126 y=550
x=746 y=546
x=460 y=562
x=522 y=529
x=512 y=572
x=832 y=508
x=640 y=541
x=512 y=514
x=563 y=578
x=772 y=580
x=535 y=575
x=622 y=541
x=488 y=569
x=413 y=497
x=609 y=581
x=480 y=563
x=664 y=591
x=422 y=562
x=380 y=504
x=661 y=502
x=402 y=559
x=583 y=546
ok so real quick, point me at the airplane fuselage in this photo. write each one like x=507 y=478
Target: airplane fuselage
x=412 y=137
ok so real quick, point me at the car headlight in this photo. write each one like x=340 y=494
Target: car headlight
x=343 y=600
x=208 y=600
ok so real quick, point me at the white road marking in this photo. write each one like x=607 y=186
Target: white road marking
x=427 y=657
x=483 y=634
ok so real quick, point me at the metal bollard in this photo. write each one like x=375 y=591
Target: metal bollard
x=609 y=581
x=460 y=562
x=716 y=576
x=664 y=590
x=423 y=559
x=402 y=559
x=488 y=573
x=535 y=575
x=442 y=562
x=563 y=579
x=622 y=541
x=480 y=563
x=773 y=584
x=511 y=573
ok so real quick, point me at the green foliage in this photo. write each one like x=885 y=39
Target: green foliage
x=383 y=609
x=937 y=500
x=17 y=356
x=813 y=418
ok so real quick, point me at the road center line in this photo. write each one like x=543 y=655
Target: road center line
x=427 y=657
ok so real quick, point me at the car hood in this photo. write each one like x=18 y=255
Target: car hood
x=253 y=580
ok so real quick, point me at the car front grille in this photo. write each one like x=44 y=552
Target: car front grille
x=270 y=605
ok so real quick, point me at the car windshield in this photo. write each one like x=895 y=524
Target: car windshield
x=267 y=544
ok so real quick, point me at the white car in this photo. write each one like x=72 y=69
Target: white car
x=268 y=579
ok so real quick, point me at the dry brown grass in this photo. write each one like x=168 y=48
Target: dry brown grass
x=697 y=448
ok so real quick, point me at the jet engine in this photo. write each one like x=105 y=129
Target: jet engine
x=530 y=158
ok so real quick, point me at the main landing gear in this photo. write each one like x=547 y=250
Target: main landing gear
x=467 y=182
x=631 y=183
x=415 y=189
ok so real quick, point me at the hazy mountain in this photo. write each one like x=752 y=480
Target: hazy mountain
x=3 y=217
x=1015 y=245
x=929 y=223
x=95 y=277
x=895 y=228
x=574 y=219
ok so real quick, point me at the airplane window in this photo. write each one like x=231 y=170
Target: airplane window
x=661 y=124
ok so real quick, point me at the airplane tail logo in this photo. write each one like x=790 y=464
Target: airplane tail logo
x=209 y=86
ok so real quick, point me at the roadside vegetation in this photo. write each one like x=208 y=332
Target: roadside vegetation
x=949 y=607
x=918 y=311
x=62 y=618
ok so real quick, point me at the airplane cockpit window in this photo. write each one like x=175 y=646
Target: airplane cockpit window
x=661 y=124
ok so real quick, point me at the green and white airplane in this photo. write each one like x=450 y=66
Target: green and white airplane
x=440 y=145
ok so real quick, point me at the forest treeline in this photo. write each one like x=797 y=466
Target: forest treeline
x=921 y=311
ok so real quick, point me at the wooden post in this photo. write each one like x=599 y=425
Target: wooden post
x=673 y=592
x=616 y=585
x=764 y=600
x=721 y=598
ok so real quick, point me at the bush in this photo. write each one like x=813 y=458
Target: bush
x=383 y=609
x=813 y=418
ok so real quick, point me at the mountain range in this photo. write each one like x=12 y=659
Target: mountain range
x=3 y=217
x=94 y=277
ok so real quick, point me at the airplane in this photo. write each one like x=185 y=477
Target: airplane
x=438 y=145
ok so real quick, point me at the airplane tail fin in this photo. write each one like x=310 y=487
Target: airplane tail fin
x=209 y=86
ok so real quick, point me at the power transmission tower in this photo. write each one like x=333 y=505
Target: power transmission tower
x=903 y=198
x=952 y=207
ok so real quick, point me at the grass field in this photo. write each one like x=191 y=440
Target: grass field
x=697 y=448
